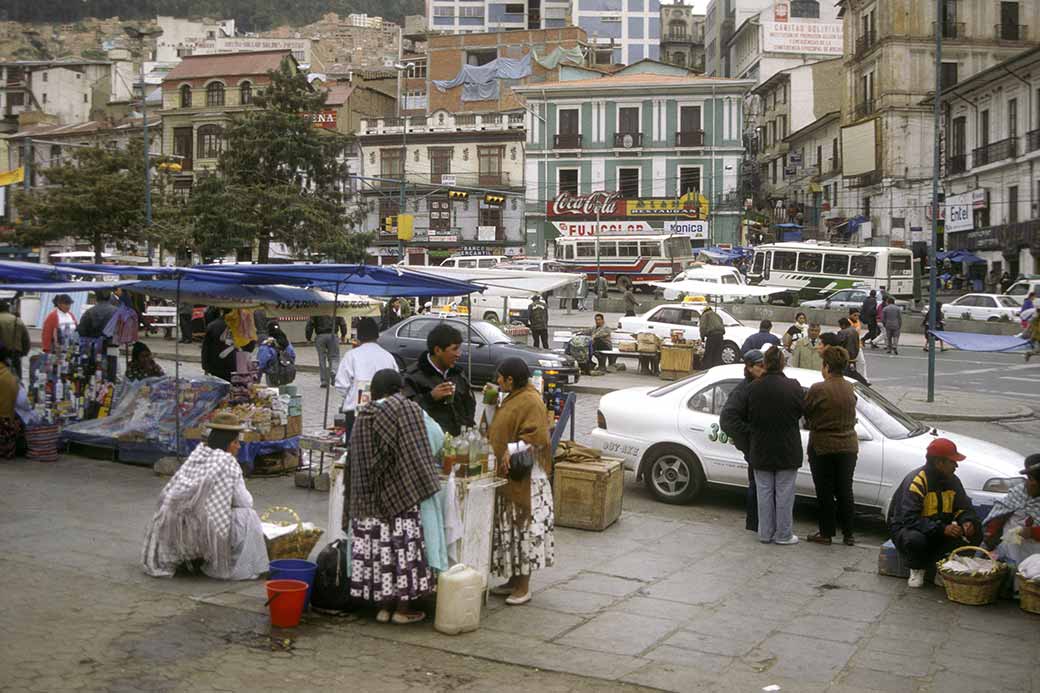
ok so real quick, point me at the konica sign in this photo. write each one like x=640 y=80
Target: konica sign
x=696 y=230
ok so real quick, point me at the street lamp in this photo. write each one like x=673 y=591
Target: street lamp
x=140 y=36
x=401 y=68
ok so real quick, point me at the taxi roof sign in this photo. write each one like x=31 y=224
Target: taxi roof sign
x=695 y=299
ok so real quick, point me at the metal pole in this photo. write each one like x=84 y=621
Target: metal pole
x=469 y=338
x=147 y=161
x=27 y=164
x=177 y=377
x=404 y=162
x=937 y=111
x=598 y=268
x=332 y=379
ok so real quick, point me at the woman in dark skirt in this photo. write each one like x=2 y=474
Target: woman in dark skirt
x=392 y=470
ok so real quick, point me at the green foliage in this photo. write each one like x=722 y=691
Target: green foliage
x=97 y=197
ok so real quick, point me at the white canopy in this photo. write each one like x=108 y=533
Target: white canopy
x=511 y=281
x=694 y=287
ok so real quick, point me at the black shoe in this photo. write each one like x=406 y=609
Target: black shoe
x=848 y=540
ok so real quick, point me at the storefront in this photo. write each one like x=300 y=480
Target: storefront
x=1014 y=248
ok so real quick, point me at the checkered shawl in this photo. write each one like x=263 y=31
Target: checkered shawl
x=194 y=515
x=392 y=467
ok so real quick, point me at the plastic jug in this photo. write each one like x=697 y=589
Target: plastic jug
x=460 y=593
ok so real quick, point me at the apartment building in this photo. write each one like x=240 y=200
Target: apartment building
x=650 y=138
x=626 y=30
x=480 y=156
x=682 y=36
x=720 y=22
x=68 y=91
x=782 y=36
x=888 y=130
x=179 y=35
x=991 y=153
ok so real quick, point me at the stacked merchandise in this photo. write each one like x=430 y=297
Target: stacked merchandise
x=468 y=454
x=142 y=426
x=73 y=382
x=241 y=382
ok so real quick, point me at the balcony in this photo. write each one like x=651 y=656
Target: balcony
x=567 y=141
x=628 y=140
x=865 y=108
x=958 y=163
x=689 y=138
x=950 y=30
x=679 y=38
x=995 y=151
x=442 y=122
x=1032 y=140
x=1011 y=32
x=864 y=42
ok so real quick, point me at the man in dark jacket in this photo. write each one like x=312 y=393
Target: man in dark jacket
x=833 y=339
x=95 y=318
x=868 y=316
x=775 y=405
x=15 y=336
x=323 y=329
x=437 y=385
x=931 y=513
x=760 y=338
x=392 y=314
x=712 y=331
x=218 y=356
x=734 y=422
x=184 y=313
x=539 y=321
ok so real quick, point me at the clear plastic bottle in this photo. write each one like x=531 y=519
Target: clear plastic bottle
x=537 y=380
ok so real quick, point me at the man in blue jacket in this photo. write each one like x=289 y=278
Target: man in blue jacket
x=760 y=338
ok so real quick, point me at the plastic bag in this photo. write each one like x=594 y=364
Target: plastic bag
x=1030 y=567
x=966 y=565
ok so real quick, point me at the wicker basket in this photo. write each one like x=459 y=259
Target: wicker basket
x=1028 y=594
x=973 y=590
x=297 y=544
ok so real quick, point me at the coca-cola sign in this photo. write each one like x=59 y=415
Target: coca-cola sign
x=602 y=203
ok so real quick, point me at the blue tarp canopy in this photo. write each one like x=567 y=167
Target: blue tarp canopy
x=222 y=293
x=63 y=287
x=959 y=256
x=24 y=272
x=970 y=341
x=146 y=271
x=366 y=280
x=726 y=255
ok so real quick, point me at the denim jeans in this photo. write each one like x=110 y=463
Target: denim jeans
x=328 y=357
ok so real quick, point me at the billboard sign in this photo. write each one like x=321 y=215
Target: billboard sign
x=600 y=202
x=803 y=36
x=606 y=228
x=695 y=230
x=959 y=215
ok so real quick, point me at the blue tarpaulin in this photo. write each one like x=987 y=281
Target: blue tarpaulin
x=63 y=287
x=366 y=280
x=220 y=292
x=969 y=341
x=959 y=256
x=212 y=275
x=24 y=272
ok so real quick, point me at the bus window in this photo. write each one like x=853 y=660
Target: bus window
x=678 y=247
x=784 y=260
x=835 y=264
x=863 y=265
x=608 y=248
x=650 y=248
x=628 y=248
x=900 y=265
x=757 y=266
x=586 y=249
x=809 y=262
x=568 y=252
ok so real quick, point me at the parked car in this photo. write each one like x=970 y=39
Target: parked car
x=670 y=437
x=848 y=298
x=493 y=305
x=474 y=261
x=990 y=307
x=686 y=316
x=486 y=344
x=1020 y=289
x=713 y=274
x=532 y=264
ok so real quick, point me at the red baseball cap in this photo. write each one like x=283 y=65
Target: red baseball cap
x=945 y=448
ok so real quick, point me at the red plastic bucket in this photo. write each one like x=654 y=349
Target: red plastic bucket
x=285 y=599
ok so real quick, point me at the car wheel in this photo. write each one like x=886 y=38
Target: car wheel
x=993 y=318
x=674 y=475
x=491 y=316
x=730 y=353
x=788 y=299
x=624 y=283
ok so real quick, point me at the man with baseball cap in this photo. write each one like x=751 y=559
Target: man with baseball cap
x=932 y=514
x=733 y=420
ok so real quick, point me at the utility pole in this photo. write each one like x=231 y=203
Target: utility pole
x=27 y=156
x=140 y=37
x=936 y=159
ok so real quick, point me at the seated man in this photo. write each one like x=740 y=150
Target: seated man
x=932 y=515
x=1013 y=525
x=206 y=514
x=601 y=341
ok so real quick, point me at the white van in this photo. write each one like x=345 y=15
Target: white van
x=714 y=274
x=493 y=305
x=474 y=261
x=1020 y=289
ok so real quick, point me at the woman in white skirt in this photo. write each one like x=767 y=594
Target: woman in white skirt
x=523 y=537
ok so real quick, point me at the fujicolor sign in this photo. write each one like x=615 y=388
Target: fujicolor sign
x=605 y=228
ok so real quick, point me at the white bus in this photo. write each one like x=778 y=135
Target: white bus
x=626 y=261
x=815 y=270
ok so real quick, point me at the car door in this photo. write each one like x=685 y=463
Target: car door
x=959 y=308
x=838 y=299
x=663 y=321
x=987 y=307
x=699 y=424
x=483 y=355
x=855 y=299
x=410 y=340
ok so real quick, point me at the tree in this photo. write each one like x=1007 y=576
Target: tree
x=97 y=197
x=203 y=227
x=285 y=177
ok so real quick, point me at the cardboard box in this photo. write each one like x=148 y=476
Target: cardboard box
x=294 y=426
x=194 y=433
x=275 y=433
x=250 y=436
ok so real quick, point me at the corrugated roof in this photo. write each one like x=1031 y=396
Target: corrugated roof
x=227 y=64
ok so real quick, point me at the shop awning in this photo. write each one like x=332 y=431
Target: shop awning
x=519 y=281
x=64 y=287
x=279 y=298
x=959 y=256
x=15 y=271
x=366 y=280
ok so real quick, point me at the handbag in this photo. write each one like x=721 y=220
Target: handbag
x=521 y=461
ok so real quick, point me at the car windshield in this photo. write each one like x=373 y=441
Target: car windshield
x=490 y=333
x=677 y=385
x=885 y=416
x=1008 y=302
x=728 y=320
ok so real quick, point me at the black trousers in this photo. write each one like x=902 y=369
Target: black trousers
x=712 y=351
x=751 y=523
x=184 y=319
x=542 y=337
x=348 y=422
x=873 y=331
x=832 y=476
x=922 y=551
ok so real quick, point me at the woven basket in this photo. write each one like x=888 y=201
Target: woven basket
x=973 y=590
x=296 y=544
x=42 y=442
x=1028 y=594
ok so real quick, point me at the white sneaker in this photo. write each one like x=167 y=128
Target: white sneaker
x=916 y=578
x=790 y=541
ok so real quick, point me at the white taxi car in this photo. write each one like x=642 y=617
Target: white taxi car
x=670 y=437
x=686 y=316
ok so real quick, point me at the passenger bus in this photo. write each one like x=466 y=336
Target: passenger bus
x=626 y=261
x=815 y=270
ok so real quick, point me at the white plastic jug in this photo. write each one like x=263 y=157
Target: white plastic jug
x=460 y=592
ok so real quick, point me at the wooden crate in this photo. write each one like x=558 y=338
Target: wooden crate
x=587 y=495
x=676 y=358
